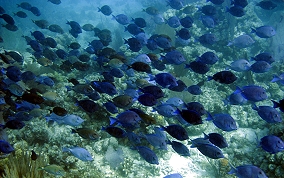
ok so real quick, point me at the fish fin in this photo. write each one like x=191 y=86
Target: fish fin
x=210 y=117
x=233 y=169
x=65 y=149
x=112 y=120
x=253 y=30
x=275 y=104
x=230 y=43
x=74 y=131
x=254 y=107
x=209 y=78
x=205 y=136
x=275 y=79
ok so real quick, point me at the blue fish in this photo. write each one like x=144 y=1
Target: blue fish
x=240 y=65
x=224 y=122
x=27 y=75
x=149 y=155
x=175 y=4
x=128 y=119
x=194 y=90
x=265 y=56
x=133 y=29
x=165 y=110
x=5 y=147
x=272 y=144
x=35 y=46
x=186 y=22
x=216 y=2
x=173 y=22
x=181 y=86
x=236 y=98
x=115 y=131
x=183 y=33
x=156 y=140
x=110 y=107
x=198 y=67
x=134 y=138
x=241 y=3
x=134 y=44
x=208 y=150
x=75 y=26
x=13 y=73
x=208 y=58
x=45 y=80
x=252 y=93
x=35 y=11
x=104 y=87
x=174 y=101
x=264 y=31
x=165 y=79
x=180 y=148
x=140 y=22
x=197 y=107
x=216 y=139
x=174 y=175
x=121 y=19
x=260 y=67
x=156 y=91
x=242 y=41
x=279 y=78
x=106 y=10
x=207 y=39
x=147 y=99
x=174 y=57
x=208 y=21
x=247 y=171
x=38 y=35
x=26 y=106
x=176 y=131
x=13 y=124
x=225 y=77
x=187 y=116
x=80 y=153
x=236 y=11
x=208 y=10
x=268 y=113
x=69 y=119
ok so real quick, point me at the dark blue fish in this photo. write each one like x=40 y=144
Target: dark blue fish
x=181 y=86
x=208 y=10
x=76 y=28
x=121 y=19
x=189 y=117
x=224 y=122
x=173 y=22
x=208 y=150
x=165 y=110
x=260 y=67
x=13 y=124
x=272 y=144
x=13 y=73
x=194 y=90
x=35 y=46
x=241 y=3
x=110 y=107
x=165 y=80
x=265 y=56
x=198 y=67
x=104 y=87
x=116 y=72
x=208 y=21
x=50 y=42
x=38 y=35
x=225 y=77
x=156 y=141
x=147 y=154
x=35 y=11
x=115 y=131
x=162 y=41
x=133 y=29
x=45 y=80
x=156 y=91
x=134 y=44
x=208 y=58
x=217 y=139
x=25 y=5
x=183 y=33
x=5 y=147
x=268 y=113
x=236 y=11
x=147 y=99
x=207 y=39
x=21 y=116
x=127 y=119
x=279 y=104
x=174 y=57
x=235 y=98
x=176 y=131
x=264 y=31
x=140 y=22
x=88 y=105
x=26 y=106
x=197 y=107
x=252 y=93
x=247 y=171
x=186 y=22
x=175 y=4
x=180 y=148
x=134 y=138
x=8 y=19
x=267 y=5
x=106 y=10
x=61 y=53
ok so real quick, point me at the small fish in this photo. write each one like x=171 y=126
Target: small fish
x=115 y=131
x=265 y=56
x=180 y=148
x=224 y=122
x=252 y=93
x=165 y=110
x=260 y=67
x=88 y=105
x=174 y=175
x=106 y=10
x=174 y=57
x=236 y=11
x=69 y=119
x=208 y=58
x=86 y=133
x=174 y=101
x=235 y=98
x=147 y=99
x=34 y=156
x=264 y=31
x=240 y=65
x=147 y=154
x=267 y=5
x=156 y=91
x=176 y=131
x=194 y=90
x=45 y=80
x=186 y=22
x=5 y=147
x=80 y=153
x=54 y=169
x=165 y=79
x=247 y=171
x=216 y=139
x=122 y=101
x=155 y=140
x=272 y=144
x=121 y=19
x=208 y=150
x=279 y=104
x=13 y=124
x=189 y=117
x=198 y=67
x=268 y=113
x=225 y=77
x=208 y=10
x=242 y=41
x=173 y=22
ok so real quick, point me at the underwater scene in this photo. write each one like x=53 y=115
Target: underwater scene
x=142 y=89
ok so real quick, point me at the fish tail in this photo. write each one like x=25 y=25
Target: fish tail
x=65 y=149
x=253 y=30
x=210 y=117
x=275 y=79
x=275 y=104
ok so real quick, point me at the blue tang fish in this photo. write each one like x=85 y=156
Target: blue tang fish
x=252 y=93
x=264 y=31
x=80 y=153
x=149 y=155
x=246 y=171
x=272 y=144
x=5 y=147
x=223 y=121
